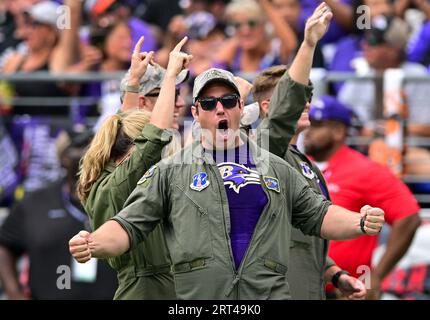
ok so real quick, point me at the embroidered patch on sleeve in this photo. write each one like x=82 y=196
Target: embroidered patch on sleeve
x=148 y=174
x=272 y=183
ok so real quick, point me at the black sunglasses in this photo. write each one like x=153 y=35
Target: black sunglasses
x=156 y=94
x=250 y=23
x=228 y=101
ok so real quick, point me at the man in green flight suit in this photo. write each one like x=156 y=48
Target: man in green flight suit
x=308 y=268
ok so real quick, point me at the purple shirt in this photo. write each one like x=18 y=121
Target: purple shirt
x=140 y=28
x=419 y=46
x=347 y=49
x=246 y=198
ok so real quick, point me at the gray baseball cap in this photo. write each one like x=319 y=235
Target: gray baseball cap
x=45 y=12
x=152 y=79
x=213 y=75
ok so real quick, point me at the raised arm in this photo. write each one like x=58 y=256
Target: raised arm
x=162 y=115
x=316 y=27
x=138 y=66
x=283 y=30
x=66 y=53
x=293 y=90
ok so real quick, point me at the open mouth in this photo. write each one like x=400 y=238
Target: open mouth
x=222 y=129
x=223 y=125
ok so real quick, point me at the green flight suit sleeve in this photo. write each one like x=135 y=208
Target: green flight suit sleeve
x=109 y=196
x=286 y=105
x=309 y=207
x=145 y=207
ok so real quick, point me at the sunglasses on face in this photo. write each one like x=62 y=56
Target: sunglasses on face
x=228 y=102
x=156 y=94
x=251 y=23
x=32 y=23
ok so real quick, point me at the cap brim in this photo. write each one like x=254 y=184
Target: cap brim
x=182 y=76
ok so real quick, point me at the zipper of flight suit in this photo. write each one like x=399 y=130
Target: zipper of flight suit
x=257 y=226
x=227 y=237
x=259 y=222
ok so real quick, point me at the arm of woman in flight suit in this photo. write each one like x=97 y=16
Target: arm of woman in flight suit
x=148 y=146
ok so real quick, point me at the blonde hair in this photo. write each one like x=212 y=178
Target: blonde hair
x=250 y=8
x=113 y=139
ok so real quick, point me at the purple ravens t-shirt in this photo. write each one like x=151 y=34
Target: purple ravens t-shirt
x=246 y=198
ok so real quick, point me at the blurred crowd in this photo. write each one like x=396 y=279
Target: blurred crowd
x=40 y=120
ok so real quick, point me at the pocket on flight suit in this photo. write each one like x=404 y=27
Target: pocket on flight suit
x=270 y=281
x=191 y=227
x=193 y=280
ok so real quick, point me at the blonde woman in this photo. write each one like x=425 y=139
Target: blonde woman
x=123 y=149
x=252 y=48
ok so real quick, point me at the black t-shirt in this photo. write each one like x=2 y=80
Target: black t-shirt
x=41 y=226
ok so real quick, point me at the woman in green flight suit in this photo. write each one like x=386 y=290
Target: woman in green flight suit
x=123 y=149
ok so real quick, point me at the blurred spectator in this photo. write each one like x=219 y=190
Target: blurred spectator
x=384 y=48
x=350 y=47
x=252 y=48
x=290 y=11
x=205 y=36
x=9 y=37
x=8 y=163
x=40 y=226
x=410 y=280
x=106 y=12
x=160 y=12
x=214 y=7
x=47 y=51
x=109 y=51
x=353 y=181
x=400 y=6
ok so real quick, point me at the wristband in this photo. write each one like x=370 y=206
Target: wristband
x=362 y=225
x=134 y=89
x=335 y=278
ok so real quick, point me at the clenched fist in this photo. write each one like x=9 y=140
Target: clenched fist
x=79 y=247
x=373 y=219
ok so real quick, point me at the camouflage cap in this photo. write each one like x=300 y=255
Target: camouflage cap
x=152 y=79
x=213 y=75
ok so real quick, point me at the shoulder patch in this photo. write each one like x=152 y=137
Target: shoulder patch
x=148 y=174
x=272 y=183
x=307 y=171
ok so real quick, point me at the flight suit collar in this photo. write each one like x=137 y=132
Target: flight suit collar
x=260 y=156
